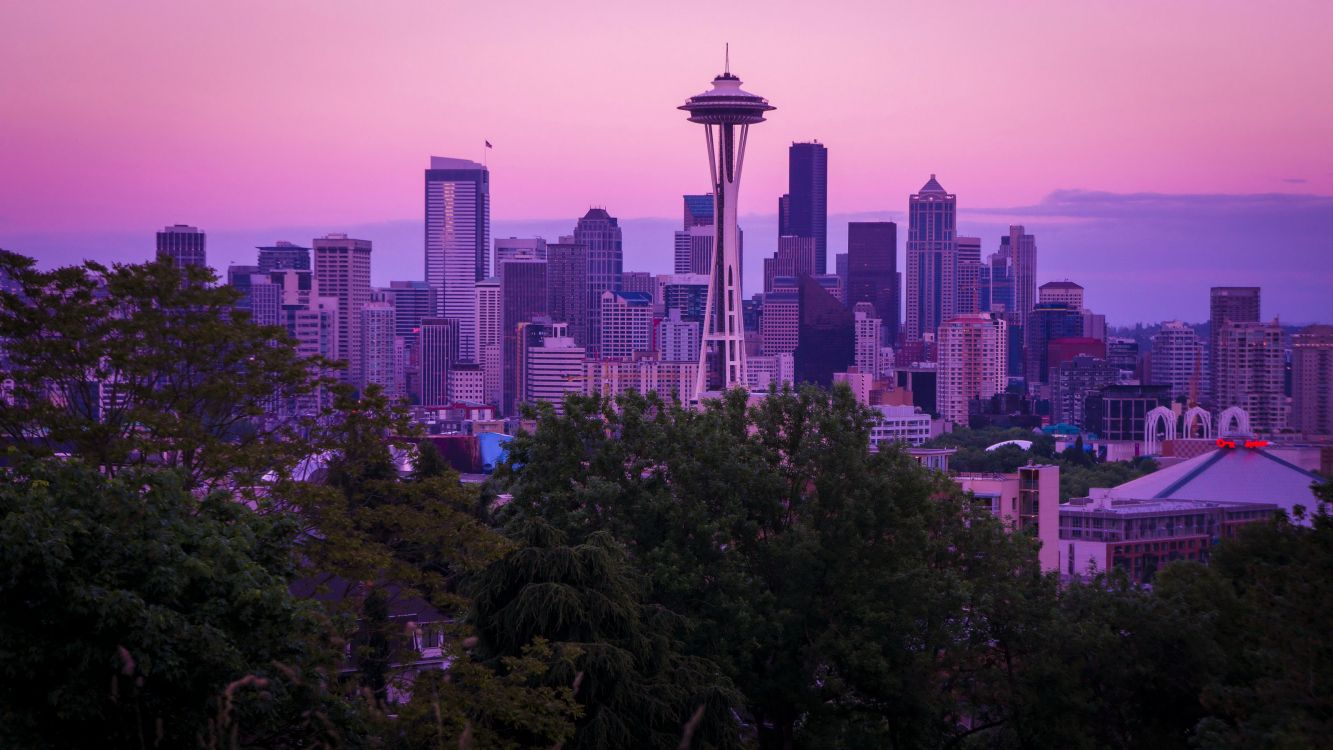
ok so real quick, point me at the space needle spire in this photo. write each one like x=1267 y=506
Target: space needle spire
x=726 y=112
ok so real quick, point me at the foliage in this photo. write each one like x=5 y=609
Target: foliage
x=133 y=613
x=147 y=365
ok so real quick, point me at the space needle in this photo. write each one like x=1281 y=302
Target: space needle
x=726 y=112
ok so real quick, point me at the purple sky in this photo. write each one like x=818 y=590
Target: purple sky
x=1154 y=149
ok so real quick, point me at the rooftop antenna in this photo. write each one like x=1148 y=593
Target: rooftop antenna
x=727 y=65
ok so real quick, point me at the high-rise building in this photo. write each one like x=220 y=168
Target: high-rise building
x=869 y=332
x=265 y=301
x=379 y=365
x=522 y=297
x=968 y=299
x=780 y=324
x=827 y=336
x=972 y=354
x=795 y=257
x=458 y=238
x=694 y=249
x=1177 y=359
x=872 y=271
x=1123 y=354
x=807 y=184
x=932 y=259
x=238 y=278
x=1023 y=256
x=315 y=329
x=1073 y=382
x=698 y=211
x=995 y=289
x=1312 y=380
x=1227 y=304
x=281 y=256
x=567 y=287
x=642 y=282
x=518 y=248
x=686 y=293
x=342 y=271
x=467 y=384
x=1046 y=323
x=726 y=111
x=437 y=343
x=412 y=302
x=1065 y=291
x=627 y=323
x=1250 y=371
x=677 y=338
x=182 y=245
x=490 y=339
x=599 y=234
x=553 y=367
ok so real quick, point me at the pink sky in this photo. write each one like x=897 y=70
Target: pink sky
x=131 y=115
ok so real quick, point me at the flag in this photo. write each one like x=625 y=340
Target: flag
x=488 y=145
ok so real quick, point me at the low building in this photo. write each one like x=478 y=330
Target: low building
x=899 y=424
x=1027 y=500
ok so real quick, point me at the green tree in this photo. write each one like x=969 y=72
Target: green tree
x=135 y=614
x=142 y=365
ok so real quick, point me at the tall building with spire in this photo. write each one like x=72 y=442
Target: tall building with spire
x=932 y=259
x=458 y=238
x=726 y=111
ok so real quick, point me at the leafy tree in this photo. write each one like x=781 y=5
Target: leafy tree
x=133 y=613
x=142 y=365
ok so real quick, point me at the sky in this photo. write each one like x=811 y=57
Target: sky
x=1155 y=149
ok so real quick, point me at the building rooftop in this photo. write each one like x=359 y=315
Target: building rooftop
x=1060 y=285
x=1227 y=475
x=444 y=162
x=932 y=186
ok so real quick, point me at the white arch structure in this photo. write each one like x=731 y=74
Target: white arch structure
x=1167 y=418
x=1235 y=418
x=1198 y=416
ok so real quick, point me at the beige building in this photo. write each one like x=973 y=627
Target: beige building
x=1249 y=368
x=1312 y=380
x=972 y=358
x=1027 y=500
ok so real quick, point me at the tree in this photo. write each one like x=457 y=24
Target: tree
x=133 y=613
x=144 y=365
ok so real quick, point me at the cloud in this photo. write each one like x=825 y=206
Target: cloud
x=1295 y=180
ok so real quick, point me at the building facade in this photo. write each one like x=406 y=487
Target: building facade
x=932 y=259
x=872 y=271
x=972 y=354
x=458 y=240
x=183 y=245
x=1312 y=380
x=342 y=271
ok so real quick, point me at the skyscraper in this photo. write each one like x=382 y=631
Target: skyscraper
x=932 y=259
x=282 y=256
x=1227 y=304
x=490 y=340
x=458 y=237
x=827 y=338
x=412 y=301
x=968 y=296
x=437 y=342
x=522 y=297
x=972 y=354
x=342 y=271
x=379 y=365
x=677 y=339
x=1023 y=256
x=1047 y=322
x=599 y=234
x=1250 y=372
x=627 y=321
x=1177 y=359
x=872 y=271
x=183 y=245
x=795 y=257
x=567 y=287
x=869 y=338
x=726 y=111
x=807 y=184
x=507 y=248
x=1312 y=380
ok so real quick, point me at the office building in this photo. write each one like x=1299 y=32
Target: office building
x=458 y=239
x=1312 y=380
x=1227 y=304
x=183 y=245
x=567 y=287
x=807 y=188
x=767 y=371
x=490 y=339
x=379 y=365
x=518 y=248
x=1120 y=412
x=972 y=353
x=968 y=275
x=671 y=381
x=342 y=271
x=553 y=367
x=872 y=271
x=639 y=281
x=1123 y=354
x=1073 y=382
x=522 y=297
x=795 y=257
x=238 y=278
x=1023 y=257
x=1066 y=292
x=627 y=324
x=1249 y=366
x=599 y=234
x=677 y=338
x=1046 y=323
x=780 y=324
x=282 y=256
x=413 y=301
x=868 y=335
x=437 y=344
x=826 y=341
x=694 y=240
x=467 y=384
x=687 y=293
x=932 y=259
x=902 y=424
x=1177 y=360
